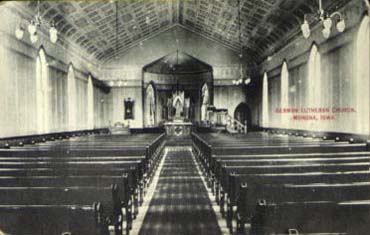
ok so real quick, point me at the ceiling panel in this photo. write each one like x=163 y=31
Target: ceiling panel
x=92 y=25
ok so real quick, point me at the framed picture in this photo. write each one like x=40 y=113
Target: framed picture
x=128 y=108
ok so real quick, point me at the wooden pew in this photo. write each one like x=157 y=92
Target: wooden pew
x=218 y=160
x=278 y=193
x=350 y=218
x=237 y=162
x=220 y=176
x=229 y=165
x=107 y=196
x=126 y=178
x=228 y=172
x=230 y=192
x=46 y=167
x=280 y=169
x=133 y=169
x=206 y=153
x=70 y=159
x=73 y=153
x=150 y=152
x=295 y=178
x=51 y=219
x=279 y=150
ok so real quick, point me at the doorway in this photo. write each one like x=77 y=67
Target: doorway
x=243 y=114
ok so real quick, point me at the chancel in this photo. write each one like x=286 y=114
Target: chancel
x=180 y=81
x=212 y=117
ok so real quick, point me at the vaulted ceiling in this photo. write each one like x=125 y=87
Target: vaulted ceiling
x=104 y=33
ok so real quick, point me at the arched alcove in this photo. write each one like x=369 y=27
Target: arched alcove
x=90 y=103
x=314 y=78
x=204 y=102
x=72 y=99
x=150 y=105
x=243 y=114
x=265 y=101
x=284 y=92
x=362 y=76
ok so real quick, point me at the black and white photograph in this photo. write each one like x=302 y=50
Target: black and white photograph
x=185 y=117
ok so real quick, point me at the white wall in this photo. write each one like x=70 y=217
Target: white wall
x=337 y=84
x=18 y=92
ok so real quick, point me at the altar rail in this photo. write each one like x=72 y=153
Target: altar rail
x=147 y=130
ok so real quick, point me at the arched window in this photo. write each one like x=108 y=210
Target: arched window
x=265 y=102
x=42 y=93
x=284 y=92
x=314 y=79
x=205 y=103
x=90 y=103
x=362 y=76
x=72 y=102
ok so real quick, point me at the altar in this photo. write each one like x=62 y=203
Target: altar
x=178 y=128
x=179 y=112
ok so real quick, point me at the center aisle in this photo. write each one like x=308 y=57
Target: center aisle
x=180 y=204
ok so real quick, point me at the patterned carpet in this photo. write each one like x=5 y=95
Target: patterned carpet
x=178 y=141
x=180 y=205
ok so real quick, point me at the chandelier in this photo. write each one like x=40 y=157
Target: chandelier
x=242 y=78
x=326 y=20
x=33 y=26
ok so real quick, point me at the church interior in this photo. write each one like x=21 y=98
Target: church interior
x=181 y=117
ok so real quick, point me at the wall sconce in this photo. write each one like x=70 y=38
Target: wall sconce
x=118 y=83
x=326 y=20
x=122 y=84
x=241 y=81
x=247 y=81
x=292 y=89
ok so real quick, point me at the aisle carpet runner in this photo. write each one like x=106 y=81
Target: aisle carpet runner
x=180 y=204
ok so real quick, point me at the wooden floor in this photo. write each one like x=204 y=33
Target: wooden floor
x=180 y=205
